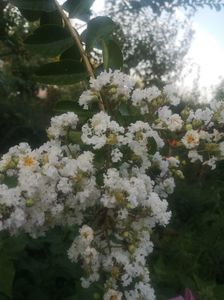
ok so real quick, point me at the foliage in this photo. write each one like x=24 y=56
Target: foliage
x=158 y=6
x=154 y=46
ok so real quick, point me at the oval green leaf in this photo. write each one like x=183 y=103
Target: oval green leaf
x=78 y=8
x=99 y=28
x=49 y=40
x=112 y=55
x=62 y=72
x=35 y=5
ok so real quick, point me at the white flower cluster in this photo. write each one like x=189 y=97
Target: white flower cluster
x=114 y=190
x=197 y=134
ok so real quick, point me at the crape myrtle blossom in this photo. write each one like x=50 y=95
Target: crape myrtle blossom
x=113 y=183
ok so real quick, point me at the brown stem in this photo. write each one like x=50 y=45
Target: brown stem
x=76 y=38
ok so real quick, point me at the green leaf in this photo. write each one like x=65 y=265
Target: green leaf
x=74 y=137
x=49 y=40
x=152 y=145
x=78 y=8
x=31 y=15
x=112 y=55
x=99 y=28
x=123 y=109
x=35 y=5
x=7 y=273
x=53 y=18
x=63 y=72
x=71 y=53
x=65 y=106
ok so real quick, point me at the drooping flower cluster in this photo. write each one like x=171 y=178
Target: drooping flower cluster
x=113 y=183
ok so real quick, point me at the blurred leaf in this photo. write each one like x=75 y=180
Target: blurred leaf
x=31 y=15
x=74 y=137
x=123 y=109
x=53 y=17
x=78 y=8
x=49 y=40
x=35 y=5
x=63 y=72
x=152 y=145
x=112 y=55
x=99 y=28
x=7 y=273
x=71 y=53
x=65 y=106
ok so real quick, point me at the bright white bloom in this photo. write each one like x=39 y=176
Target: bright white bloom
x=174 y=122
x=112 y=295
x=101 y=130
x=60 y=125
x=86 y=234
x=142 y=98
x=172 y=93
x=191 y=139
x=195 y=156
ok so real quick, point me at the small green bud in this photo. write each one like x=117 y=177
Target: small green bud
x=185 y=113
x=180 y=174
x=123 y=98
x=29 y=202
x=125 y=234
x=131 y=248
x=196 y=123
x=96 y=296
x=115 y=272
x=112 y=91
x=188 y=127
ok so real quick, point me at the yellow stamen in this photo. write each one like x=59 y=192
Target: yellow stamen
x=28 y=161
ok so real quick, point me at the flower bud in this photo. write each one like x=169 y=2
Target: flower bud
x=111 y=139
x=96 y=296
x=120 y=197
x=185 y=113
x=125 y=234
x=212 y=147
x=188 y=127
x=29 y=202
x=196 y=123
x=131 y=248
x=112 y=91
x=180 y=174
x=115 y=272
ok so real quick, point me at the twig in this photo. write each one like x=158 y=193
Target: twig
x=76 y=38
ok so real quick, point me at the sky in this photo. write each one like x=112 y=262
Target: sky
x=207 y=49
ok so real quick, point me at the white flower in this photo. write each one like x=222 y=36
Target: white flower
x=86 y=234
x=101 y=130
x=194 y=156
x=174 y=122
x=142 y=98
x=86 y=98
x=172 y=93
x=61 y=124
x=116 y=155
x=203 y=115
x=112 y=295
x=191 y=139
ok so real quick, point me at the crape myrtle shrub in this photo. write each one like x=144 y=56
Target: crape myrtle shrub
x=100 y=185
